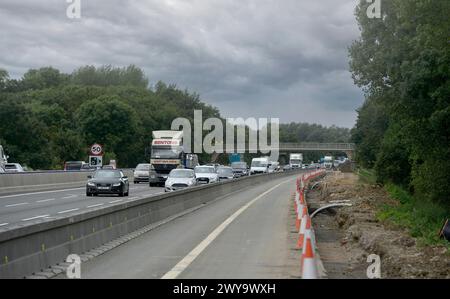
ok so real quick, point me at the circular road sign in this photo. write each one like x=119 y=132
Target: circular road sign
x=96 y=150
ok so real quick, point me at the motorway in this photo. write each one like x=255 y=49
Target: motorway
x=243 y=235
x=23 y=209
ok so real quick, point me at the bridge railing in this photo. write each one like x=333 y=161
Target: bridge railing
x=306 y=146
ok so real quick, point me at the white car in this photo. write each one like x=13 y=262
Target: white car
x=141 y=173
x=179 y=179
x=13 y=167
x=206 y=174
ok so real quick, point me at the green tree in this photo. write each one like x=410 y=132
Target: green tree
x=110 y=122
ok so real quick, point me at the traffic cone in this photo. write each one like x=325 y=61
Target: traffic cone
x=301 y=233
x=298 y=219
x=309 y=265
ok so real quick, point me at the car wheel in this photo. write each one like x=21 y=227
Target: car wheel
x=151 y=184
x=88 y=194
x=95 y=194
x=135 y=182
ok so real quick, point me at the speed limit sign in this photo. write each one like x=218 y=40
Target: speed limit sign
x=96 y=150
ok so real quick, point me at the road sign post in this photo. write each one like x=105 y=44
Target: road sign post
x=96 y=156
x=96 y=161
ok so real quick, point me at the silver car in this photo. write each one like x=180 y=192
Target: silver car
x=206 y=174
x=141 y=173
x=180 y=179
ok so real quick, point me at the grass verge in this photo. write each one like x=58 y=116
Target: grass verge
x=422 y=218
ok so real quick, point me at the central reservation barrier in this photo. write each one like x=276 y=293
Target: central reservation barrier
x=37 y=246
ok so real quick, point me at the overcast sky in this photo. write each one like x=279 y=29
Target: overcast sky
x=260 y=58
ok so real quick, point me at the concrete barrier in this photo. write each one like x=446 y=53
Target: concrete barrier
x=13 y=183
x=35 y=247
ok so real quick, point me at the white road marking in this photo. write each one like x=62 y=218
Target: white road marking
x=37 y=217
x=3 y=224
x=16 y=205
x=45 y=200
x=70 y=196
x=42 y=192
x=68 y=211
x=94 y=206
x=116 y=201
x=187 y=260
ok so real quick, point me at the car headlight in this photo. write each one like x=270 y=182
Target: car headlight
x=117 y=185
x=91 y=184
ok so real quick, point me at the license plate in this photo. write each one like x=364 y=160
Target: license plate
x=103 y=188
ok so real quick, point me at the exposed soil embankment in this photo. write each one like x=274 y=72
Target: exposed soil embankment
x=347 y=236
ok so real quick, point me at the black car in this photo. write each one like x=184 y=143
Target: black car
x=108 y=181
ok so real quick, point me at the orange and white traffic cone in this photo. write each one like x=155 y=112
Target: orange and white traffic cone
x=301 y=233
x=309 y=264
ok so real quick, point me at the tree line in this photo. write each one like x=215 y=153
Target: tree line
x=49 y=117
x=402 y=62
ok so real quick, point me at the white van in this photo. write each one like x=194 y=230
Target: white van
x=259 y=165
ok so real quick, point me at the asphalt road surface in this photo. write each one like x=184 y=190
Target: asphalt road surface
x=22 y=209
x=243 y=235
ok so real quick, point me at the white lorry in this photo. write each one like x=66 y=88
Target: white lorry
x=168 y=154
x=296 y=160
x=259 y=165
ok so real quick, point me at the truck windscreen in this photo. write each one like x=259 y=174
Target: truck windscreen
x=165 y=153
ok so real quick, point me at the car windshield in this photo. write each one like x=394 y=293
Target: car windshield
x=225 y=171
x=181 y=174
x=143 y=167
x=204 y=170
x=11 y=166
x=239 y=165
x=107 y=174
x=259 y=164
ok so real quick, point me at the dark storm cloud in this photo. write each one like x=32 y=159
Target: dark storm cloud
x=274 y=58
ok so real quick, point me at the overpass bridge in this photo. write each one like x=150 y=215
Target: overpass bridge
x=348 y=148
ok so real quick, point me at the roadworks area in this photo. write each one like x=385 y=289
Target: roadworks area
x=347 y=236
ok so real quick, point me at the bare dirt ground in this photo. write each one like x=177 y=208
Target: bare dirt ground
x=347 y=236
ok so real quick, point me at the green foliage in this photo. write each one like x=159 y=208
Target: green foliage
x=402 y=62
x=421 y=217
x=108 y=75
x=49 y=117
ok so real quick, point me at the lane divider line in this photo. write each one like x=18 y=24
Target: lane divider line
x=116 y=201
x=188 y=259
x=94 y=206
x=3 y=224
x=70 y=196
x=45 y=200
x=34 y=218
x=68 y=211
x=41 y=192
x=16 y=205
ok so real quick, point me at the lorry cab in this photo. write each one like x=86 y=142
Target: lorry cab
x=167 y=154
x=296 y=161
x=259 y=166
